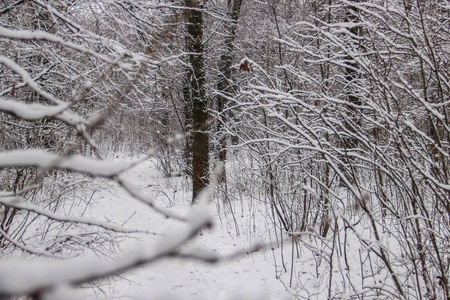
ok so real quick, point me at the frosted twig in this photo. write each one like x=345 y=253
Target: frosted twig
x=75 y=163
x=139 y=196
x=26 y=248
x=45 y=36
x=24 y=278
x=16 y=202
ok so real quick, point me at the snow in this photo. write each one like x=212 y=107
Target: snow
x=45 y=36
x=238 y=267
x=32 y=111
x=44 y=159
x=246 y=276
x=237 y=251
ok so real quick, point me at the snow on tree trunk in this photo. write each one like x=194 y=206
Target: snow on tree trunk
x=200 y=115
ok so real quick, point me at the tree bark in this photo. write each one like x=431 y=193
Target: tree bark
x=351 y=74
x=200 y=116
x=187 y=126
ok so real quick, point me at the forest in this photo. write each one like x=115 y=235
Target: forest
x=316 y=132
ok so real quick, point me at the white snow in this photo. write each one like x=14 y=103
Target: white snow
x=44 y=159
x=248 y=276
x=45 y=36
x=30 y=112
x=242 y=269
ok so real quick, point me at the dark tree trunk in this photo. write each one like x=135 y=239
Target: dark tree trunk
x=352 y=113
x=351 y=76
x=187 y=127
x=196 y=78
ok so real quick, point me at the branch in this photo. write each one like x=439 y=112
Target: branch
x=27 y=78
x=26 y=248
x=33 y=278
x=7 y=9
x=45 y=36
x=36 y=111
x=75 y=163
x=17 y=202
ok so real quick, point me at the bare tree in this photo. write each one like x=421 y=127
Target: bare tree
x=200 y=114
x=352 y=143
x=72 y=71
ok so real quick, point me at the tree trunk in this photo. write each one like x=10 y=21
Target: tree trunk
x=351 y=74
x=187 y=126
x=196 y=79
x=352 y=119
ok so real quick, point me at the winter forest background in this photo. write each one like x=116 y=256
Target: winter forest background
x=321 y=125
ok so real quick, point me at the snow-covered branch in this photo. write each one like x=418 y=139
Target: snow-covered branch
x=31 y=278
x=46 y=160
x=26 y=248
x=19 y=203
x=45 y=36
x=37 y=111
x=28 y=80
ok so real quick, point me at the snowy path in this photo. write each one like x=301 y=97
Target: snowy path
x=250 y=276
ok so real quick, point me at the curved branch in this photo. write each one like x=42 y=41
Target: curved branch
x=75 y=163
x=24 y=278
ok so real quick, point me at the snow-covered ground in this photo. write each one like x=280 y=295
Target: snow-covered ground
x=257 y=259
x=238 y=226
